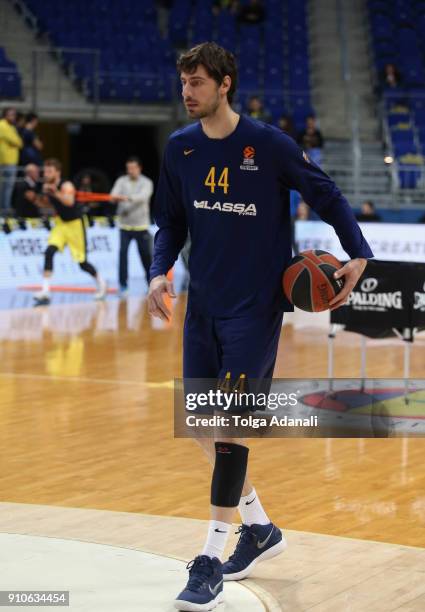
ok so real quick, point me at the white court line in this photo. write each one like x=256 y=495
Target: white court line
x=102 y=381
x=73 y=530
x=104 y=578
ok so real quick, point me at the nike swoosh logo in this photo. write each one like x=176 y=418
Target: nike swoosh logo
x=251 y=502
x=214 y=591
x=219 y=531
x=262 y=544
x=188 y=151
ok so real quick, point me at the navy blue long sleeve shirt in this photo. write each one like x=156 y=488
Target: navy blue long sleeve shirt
x=232 y=194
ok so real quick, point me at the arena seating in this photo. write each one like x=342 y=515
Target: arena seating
x=136 y=64
x=10 y=80
x=134 y=61
x=397 y=28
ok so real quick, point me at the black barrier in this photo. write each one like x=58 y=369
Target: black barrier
x=389 y=295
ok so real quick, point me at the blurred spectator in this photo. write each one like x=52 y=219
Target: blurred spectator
x=368 y=213
x=133 y=193
x=303 y=212
x=311 y=140
x=31 y=152
x=85 y=184
x=20 y=128
x=256 y=110
x=225 y=5
x=26 y=192
x=286 y=124
x=391 y=76
x=10 y=144
x=311 y=137
x=252 y=13
x=20 y=123
x=93 y=180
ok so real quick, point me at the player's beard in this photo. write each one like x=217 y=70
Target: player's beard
x=207 y=110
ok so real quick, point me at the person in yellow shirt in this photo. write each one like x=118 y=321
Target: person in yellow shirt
x=10 y=145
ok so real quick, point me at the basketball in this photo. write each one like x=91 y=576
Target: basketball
x=308 y=281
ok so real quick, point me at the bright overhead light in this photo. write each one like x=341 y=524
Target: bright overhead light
x=388 y=159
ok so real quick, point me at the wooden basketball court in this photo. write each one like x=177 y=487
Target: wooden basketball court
x=86 y=426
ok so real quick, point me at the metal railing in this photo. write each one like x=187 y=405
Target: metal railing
x=407 y=161
x=68 y=81
x=351 y=99
x=49 y=79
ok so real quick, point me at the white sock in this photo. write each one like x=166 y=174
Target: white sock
x=216 y=541
x=100 y=282
x=46 y=285
x=251 y=510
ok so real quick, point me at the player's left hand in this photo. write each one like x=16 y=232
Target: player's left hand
x=42 y=201
x=49 y=188
x=351 y=272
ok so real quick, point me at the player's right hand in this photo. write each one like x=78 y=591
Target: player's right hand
x=30 y=196
x=156 y=305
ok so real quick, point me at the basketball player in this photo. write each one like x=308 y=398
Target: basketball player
x=69 y=229
x=227 y=178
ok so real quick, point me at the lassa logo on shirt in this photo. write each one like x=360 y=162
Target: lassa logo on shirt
x=238 y=208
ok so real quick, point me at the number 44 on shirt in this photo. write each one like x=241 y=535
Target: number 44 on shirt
x=223 y=180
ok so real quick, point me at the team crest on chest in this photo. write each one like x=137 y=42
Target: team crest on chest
x=248 y=159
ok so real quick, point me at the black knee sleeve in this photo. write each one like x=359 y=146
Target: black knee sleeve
x=48 y=257
x=87 y=267
x=231 y=462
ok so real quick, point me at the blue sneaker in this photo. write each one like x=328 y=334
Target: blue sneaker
x=41 y=299
x=123 y=293
x=256 y=543
x=204 y=590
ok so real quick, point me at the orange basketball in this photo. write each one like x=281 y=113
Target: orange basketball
x=249 y=152
x=308 y=281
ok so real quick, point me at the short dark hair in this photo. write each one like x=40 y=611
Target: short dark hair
x=8 y=109
x=371 y=204
x=30 y=117
x=134 y=159
x=217 y=61
x=52 y=161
